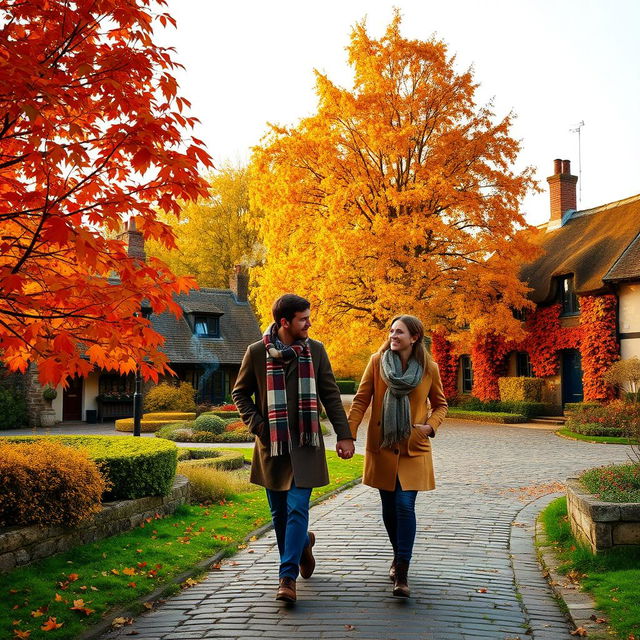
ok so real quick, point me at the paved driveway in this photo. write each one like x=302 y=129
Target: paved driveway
x=469 y=556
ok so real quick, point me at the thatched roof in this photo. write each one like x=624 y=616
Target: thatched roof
x=596 y=245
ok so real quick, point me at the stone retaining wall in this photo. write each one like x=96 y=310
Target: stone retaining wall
x=22 y=545
x=602 y=525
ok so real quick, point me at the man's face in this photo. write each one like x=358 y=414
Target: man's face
x=299 y=326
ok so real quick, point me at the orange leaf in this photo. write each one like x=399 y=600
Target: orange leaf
x=73 y=577
x=51 y=624
x=21 y=634
x=129 y=571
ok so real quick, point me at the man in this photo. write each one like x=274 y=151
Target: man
x=287 y=373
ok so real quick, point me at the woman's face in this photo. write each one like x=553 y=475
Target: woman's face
x=400 y=338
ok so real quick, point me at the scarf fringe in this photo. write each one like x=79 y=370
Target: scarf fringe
x=279 y=448
x=309 y=439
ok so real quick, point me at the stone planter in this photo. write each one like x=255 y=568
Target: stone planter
x=601 y=525
x=47 y=418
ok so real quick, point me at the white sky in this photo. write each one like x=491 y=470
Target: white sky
x=553 y=62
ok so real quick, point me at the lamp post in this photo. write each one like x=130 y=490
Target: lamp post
x=145 y=312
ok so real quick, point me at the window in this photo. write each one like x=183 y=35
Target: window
x=467 y=374
x=567 y=296
x=523 y=365
x=207 y=326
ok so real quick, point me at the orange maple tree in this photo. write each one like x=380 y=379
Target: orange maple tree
x=398 y=195
x=92 y=132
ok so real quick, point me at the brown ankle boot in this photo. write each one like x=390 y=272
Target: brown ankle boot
x=392 y=570
x=287 y=590
x=400 y=586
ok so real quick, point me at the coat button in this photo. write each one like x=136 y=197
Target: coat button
x=396 y=451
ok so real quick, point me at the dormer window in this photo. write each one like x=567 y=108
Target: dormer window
x=567 y=296
x=207 y=326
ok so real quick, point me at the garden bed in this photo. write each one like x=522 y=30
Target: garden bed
x=500 y=417
x=602 y=525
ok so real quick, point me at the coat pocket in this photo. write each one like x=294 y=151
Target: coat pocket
x=418 y=444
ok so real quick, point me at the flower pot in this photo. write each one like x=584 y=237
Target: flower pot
x=47 y=418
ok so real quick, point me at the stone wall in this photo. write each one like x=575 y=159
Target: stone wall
x=33 y=395
x=601 y=525
x=23 y=545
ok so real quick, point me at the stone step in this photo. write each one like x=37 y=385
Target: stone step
x=559 y=420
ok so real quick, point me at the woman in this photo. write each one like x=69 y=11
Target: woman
x=403 y=384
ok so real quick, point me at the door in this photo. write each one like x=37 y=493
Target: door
x=72 y=400
x=571 y=376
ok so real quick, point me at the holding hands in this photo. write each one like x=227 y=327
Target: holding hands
x=345 y=449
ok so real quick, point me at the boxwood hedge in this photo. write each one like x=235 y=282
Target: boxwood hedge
x=135 y=467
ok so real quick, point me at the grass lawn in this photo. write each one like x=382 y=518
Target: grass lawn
x=566 y=433
x=612 y=578
x=76 y=588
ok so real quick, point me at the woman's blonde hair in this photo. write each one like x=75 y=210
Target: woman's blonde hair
x=416 y=330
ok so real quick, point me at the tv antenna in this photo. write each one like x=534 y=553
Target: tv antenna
x=578 y=129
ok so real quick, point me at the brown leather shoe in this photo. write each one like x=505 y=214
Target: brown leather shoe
x=307 y=561
x=286 y=590
x=392 y=571
x=400 y=586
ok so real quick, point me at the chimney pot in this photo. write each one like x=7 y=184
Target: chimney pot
x=134 y=241
x=566 y=167
x=557 y=166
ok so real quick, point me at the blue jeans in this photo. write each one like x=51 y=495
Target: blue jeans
x=290 y=515
x=399 y=517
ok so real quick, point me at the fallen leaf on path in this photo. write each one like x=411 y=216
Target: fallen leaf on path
x=482 y=590
x=121 y=622
x=580 y=631
x=349 y=627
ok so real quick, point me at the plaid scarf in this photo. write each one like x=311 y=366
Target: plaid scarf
x=308 y=423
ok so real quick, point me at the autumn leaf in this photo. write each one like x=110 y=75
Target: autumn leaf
x=73 y=577
x=349 y=627
x=121 y=622
x=22 y=635
x=132 y=585
x=129 y=571
x=482 y=590
x=59 y=598
x=580 y=631
x=142 y=565
x=148 y=605
x=115 y=572
x=51 y=625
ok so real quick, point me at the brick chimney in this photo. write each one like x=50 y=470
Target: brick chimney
x=239 y=283
x=134 y=241
x=562 y=192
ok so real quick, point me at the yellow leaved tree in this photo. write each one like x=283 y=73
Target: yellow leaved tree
x=212 y=234
x=397 y=196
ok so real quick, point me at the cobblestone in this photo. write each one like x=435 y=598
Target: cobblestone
x=474 y=574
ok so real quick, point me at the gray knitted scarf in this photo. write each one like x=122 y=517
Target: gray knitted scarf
x=396 y=413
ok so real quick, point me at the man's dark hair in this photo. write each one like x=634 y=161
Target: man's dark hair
x=287 y=306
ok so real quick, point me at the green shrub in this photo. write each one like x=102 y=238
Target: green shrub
x=47 y=483
x=196 y=453
x=188 y=432
x=614 y=419
x=134 y=467
x=347 y=386
x=210 y=423
x=13 y=409
x=486 y=416
x=520 y=389
x=168 y=397
x=225 y=436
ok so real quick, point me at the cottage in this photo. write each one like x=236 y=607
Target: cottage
x=586 y=286
x=205 y=347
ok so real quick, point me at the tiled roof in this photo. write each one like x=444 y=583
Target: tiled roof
x=589 y=244
x=238 y=328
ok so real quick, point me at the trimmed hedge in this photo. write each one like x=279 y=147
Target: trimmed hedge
x=596 y=429
x=576 y=406
x=347 y=386
x=188 y=432
x=175 y=416
x=171 y=397
x=514 y=389
x=527 y=409
x=223 y=460
x=146 y=426
x=134 y=467
x=47 y=483
x=196 y=453
x=210 y=423
x=486 y=416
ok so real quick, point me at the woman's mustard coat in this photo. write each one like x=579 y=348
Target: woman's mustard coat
x=410 y=460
